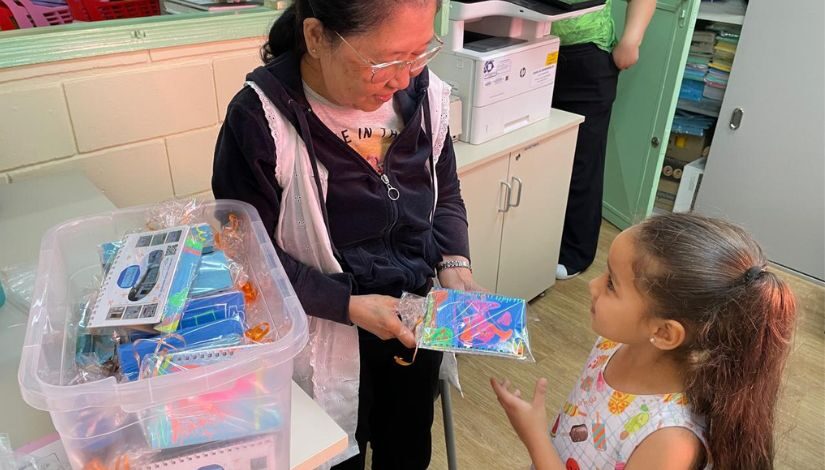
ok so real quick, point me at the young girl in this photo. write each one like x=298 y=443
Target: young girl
x=694 y=336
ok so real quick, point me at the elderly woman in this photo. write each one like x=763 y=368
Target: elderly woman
x=340 y=142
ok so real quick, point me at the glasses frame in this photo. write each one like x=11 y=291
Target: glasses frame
x=399 y=64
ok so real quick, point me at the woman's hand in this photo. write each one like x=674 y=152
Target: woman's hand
x=625 y=54
x=458 y=278
x=377 y=314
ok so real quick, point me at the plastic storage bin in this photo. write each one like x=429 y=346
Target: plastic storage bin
x=104 y=422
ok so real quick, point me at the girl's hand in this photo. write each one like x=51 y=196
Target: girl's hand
x=625 y=54
x=529 y=419
x=377 y=314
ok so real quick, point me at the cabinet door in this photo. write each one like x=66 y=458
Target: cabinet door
x=767 y=174
x=484 y=194
x=532 y=226
x=643 y=110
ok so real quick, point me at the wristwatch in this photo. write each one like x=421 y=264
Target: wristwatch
x=453 y=264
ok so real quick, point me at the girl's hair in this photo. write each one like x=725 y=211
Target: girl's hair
x=341 y=16
x=711 y=276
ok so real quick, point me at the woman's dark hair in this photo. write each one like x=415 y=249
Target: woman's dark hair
x=712 y=277
x=341 y=16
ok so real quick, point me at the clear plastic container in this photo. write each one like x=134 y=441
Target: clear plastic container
x=105 y=422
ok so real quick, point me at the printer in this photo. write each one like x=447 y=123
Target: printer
x=500 y=59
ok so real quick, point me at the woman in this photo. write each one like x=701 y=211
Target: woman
x=340 y=142
x=590 y=59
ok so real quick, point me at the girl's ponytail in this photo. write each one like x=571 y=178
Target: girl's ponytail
x=736 y=365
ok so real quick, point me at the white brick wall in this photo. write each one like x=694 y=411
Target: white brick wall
x=141 y=126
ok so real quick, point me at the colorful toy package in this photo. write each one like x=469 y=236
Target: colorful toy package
x=475 y=322
x=148 y=280
x=244 y=408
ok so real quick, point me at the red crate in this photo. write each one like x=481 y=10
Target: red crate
x=99 y=10
x=6 y=19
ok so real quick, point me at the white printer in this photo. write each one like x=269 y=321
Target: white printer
x=500 y=59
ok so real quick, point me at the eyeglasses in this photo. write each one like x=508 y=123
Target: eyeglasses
x=388 y=70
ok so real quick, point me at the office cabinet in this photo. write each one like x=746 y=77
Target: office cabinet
x=516 y=195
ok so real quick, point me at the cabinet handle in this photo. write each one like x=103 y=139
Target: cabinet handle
x=506 y=199
x=518 y=192
x=736 y=118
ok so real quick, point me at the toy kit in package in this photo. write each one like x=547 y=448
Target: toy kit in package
x=475 y=322
x=149 y=279
x=228 y=331
x=254 y=453
x=245 y=408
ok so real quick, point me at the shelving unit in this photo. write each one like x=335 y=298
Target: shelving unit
x=703 y=107
x=725 y=11
x=722 y=11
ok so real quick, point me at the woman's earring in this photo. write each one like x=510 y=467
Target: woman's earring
x=652 y=340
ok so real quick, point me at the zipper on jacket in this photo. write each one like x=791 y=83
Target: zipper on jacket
x=392 y=192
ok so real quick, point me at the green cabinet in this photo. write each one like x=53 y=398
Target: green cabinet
x=643 y=110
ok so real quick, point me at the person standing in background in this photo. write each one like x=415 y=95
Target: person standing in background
x=590 y=59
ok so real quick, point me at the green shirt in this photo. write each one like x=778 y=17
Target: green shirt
x=596 y=27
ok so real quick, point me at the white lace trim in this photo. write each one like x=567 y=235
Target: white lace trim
x=272 y=118
x=443 y=122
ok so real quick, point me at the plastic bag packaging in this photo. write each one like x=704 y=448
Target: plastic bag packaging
x=166 y=361
x=449 y=371
x=18 y=284
x=254 y=453
x=175 y=212
x=11 y=460
x=476 y=323
x=243 y=408
x=95 y=357
x=94 y=348
x=225 y=332
x=411 y=310
x=230 y=238
x=229 y=241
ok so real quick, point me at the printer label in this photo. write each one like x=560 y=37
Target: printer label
x=543 y=76
x=496 y=68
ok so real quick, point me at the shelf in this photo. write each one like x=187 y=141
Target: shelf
x=660 y=211
x=702 y=107
x=726 y=11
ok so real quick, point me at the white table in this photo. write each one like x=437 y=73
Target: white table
x=27 y=210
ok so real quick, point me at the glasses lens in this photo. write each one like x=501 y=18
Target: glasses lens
x=384 y=73
x=423 y=60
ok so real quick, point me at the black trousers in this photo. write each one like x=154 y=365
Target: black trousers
x=395 y=407
x=586 y=81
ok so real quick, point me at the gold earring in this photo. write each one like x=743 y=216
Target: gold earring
x=652 y=340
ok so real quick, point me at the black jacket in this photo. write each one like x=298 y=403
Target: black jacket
x=383 y=246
